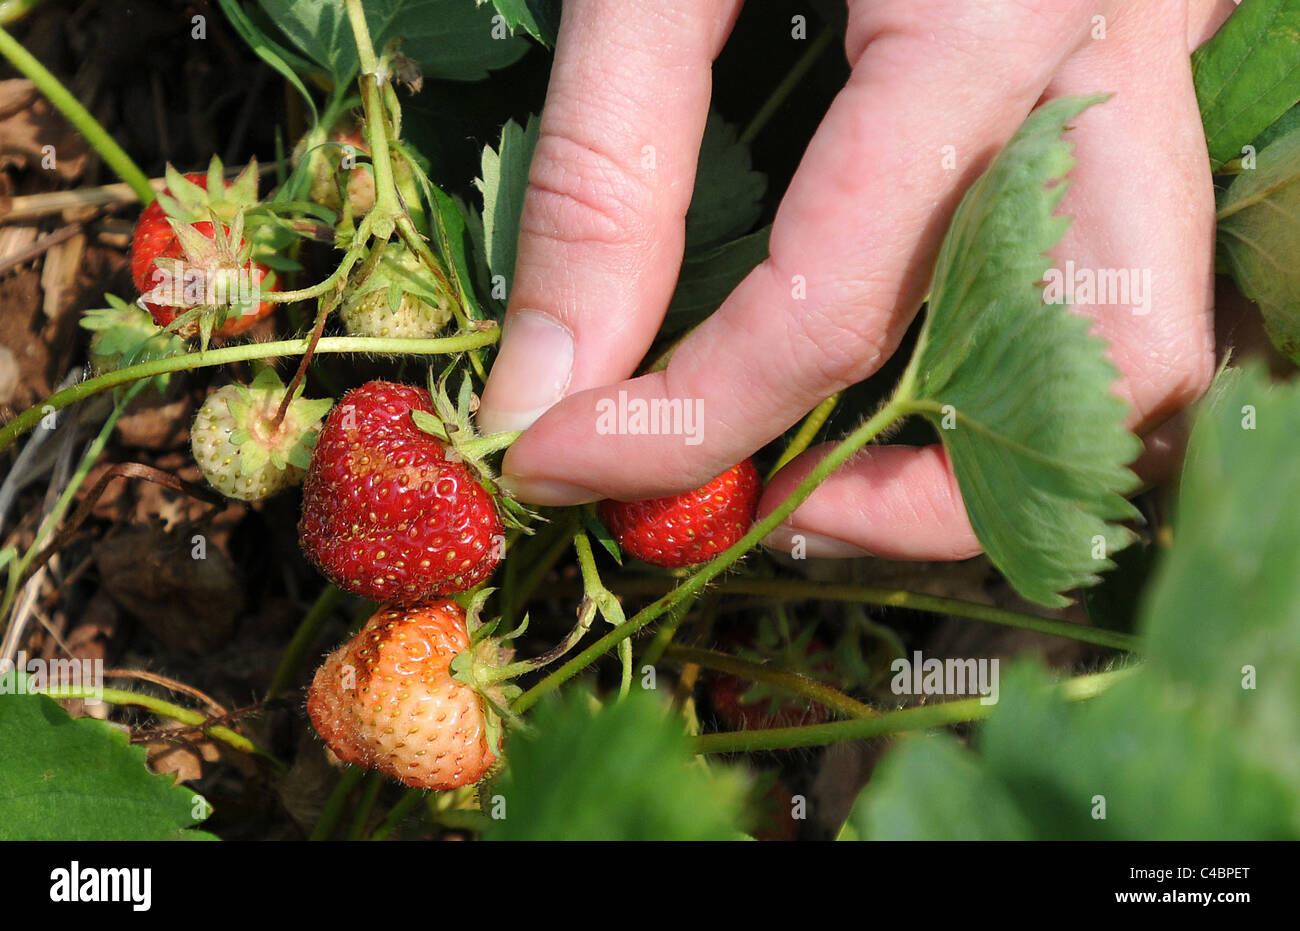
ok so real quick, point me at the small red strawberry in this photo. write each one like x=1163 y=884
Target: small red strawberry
x=690 y=528
x=743 y=705
x=393 y=513
x=748 y=706
x=180 y=260
x=387 y=700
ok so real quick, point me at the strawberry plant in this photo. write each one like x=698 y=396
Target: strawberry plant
x=434 y=654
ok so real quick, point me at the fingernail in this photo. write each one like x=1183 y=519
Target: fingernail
x=529 y=376
x=546 y=492
x=801 y=543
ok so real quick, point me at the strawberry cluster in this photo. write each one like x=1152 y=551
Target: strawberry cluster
x=398 y=515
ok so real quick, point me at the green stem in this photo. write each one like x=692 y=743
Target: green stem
x=333 y=809
x=398 y=813
x=164 y=709
x=340 y=272
x=787 y=85
x=11 y=10
x=815 y=420
x=374 y=782
x=458 y=819
x=553 y=539
x=921 y=717
x=790 y=682
x=113 y=154
x=51 y=522
x=801 y=590
x=897 y=598
x=625 y=658
x=303 y=638
x=664 y=635
x=688 y=588
x=241 y=353
x=386 y=206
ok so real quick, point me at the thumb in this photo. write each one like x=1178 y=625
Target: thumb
x=602 y=229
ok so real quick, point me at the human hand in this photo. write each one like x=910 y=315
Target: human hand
x=601 y=241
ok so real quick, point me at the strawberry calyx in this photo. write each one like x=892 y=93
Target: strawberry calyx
x=245 y=449
x=451 y=423
x=394 y=296
x=489 y=667
x=189 y=201
x=263 y=436
x=213 y=280
x=802 y=654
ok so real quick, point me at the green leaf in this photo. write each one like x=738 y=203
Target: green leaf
x=1169 y=764
x=728 y=195
x=64 y=778
x=1259 y=238
x=1200 y=743
x=1227 y=596
x=503 y=183
x=1165 y=766
x=286 y=63
x=1018 y=389
x=539 y=18
x=452 y=238
x=1248 y=75
x=705 y=280
x=1284 y=124
x=933 y=789
x=621 y=772
x=448 y=39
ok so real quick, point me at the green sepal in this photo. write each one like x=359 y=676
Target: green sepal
x=268 y=380
x=216 y=174
x=430 y=425
x=313 y=409
x=592 y=522
x=205 y=328
x=186 y=198
x=253 y=457
x=125 y=334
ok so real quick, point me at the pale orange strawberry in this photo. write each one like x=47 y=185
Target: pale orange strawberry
x=386 y=700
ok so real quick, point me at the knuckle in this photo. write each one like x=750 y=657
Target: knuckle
x=1166 y=382
x=838 y=340
x=1188 y=378
x=1010 y=43
x=578 y=193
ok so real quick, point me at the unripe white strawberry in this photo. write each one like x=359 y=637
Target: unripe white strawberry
x=400 y=299
x=242 y=451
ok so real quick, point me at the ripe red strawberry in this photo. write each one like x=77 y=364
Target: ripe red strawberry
x=160 y=257
x=386 y=700
x=693 y=527
x=390 y=512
